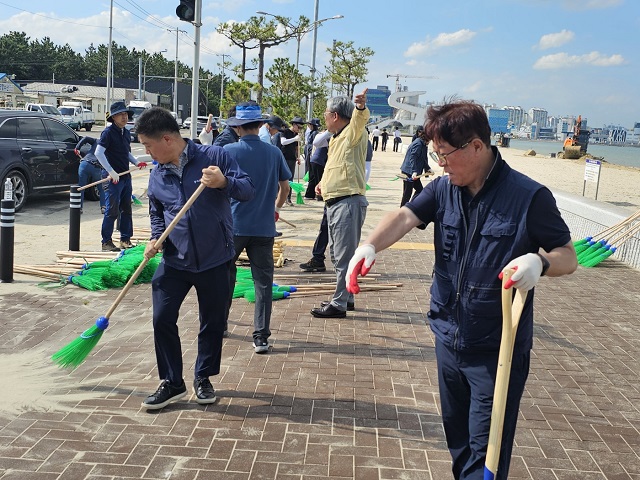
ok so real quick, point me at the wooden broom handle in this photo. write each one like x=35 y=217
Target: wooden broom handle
x=104 y=180
x=510 y=318
x=159 y=241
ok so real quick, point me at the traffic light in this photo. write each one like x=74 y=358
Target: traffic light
x=186 y=10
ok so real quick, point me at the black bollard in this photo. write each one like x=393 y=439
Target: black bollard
x=74 y=218
x=7 y=222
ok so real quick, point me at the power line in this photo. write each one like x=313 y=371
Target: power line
x=141 y=18
x=160 y=21
x=52 y=18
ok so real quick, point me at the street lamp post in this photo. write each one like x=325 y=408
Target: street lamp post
x=144 y=73
x=206 y=106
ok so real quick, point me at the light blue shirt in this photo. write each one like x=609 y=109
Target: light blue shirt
x=264 y=134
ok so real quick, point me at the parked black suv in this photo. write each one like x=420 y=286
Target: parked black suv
x=36 y=153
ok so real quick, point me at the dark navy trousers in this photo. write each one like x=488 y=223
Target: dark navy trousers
x=169 y=289
x=322 y=240
x=466 y=382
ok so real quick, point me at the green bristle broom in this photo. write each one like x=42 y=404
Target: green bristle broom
x=609 y=249
x=250 y=295
x=591 y=245
x=74 y=353
x=298 y=188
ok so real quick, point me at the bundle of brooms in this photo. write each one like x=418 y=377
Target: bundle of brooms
x=592 y=252
x=95 y=270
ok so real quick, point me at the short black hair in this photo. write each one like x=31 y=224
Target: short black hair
x=252 y=125
x=156 y=122
x=231 y=112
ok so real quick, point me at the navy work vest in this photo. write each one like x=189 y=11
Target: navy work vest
x=471 y=250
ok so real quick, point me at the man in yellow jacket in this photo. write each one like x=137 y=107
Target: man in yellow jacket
x=343 y=188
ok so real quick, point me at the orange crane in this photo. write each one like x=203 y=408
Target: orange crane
x=398 y=75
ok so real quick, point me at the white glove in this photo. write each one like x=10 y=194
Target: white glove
x=528 y=269
x=115 y=178
x=363 y=259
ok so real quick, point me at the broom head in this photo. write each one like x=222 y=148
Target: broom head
x=74 y=353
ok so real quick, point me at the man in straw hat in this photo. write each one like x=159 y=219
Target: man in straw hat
x=114 y=154
x=254 y=221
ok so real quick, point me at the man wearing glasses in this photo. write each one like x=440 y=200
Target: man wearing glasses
x=486 y=218
x=343 y=187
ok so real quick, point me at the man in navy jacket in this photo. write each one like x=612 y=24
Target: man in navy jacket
x=487 y=218
x=198 y=252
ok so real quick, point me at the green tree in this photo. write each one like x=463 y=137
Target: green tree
x=69 y=64
x=348 y=66
x=288 y=90
x=236 y=92
x=14 y=54
x=260 y=33
x=240 y=36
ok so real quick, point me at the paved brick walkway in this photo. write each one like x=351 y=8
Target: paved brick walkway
x=342 y=399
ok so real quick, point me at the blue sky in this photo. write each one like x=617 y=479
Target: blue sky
x=570 y=57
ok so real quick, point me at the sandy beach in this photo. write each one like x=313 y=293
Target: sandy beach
x=42 y=227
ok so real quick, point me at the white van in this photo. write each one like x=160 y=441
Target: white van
x=137 y=107
x=44 y=108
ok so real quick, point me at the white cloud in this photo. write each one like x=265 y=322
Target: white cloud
x=591 y=4
x=472 y=89
x=554 y=40
x=443 y=40
x=564 y=60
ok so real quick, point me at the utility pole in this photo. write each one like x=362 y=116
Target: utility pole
x=175 y=76
x=222 y=80
x=313 y=60
x=109 y=79
x=197 y=23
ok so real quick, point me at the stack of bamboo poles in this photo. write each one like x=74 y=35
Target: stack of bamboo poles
x=141 y=234
x=591 y=252
x=278 y=254
x=68 y=263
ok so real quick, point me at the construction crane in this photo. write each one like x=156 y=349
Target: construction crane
x=398 y=75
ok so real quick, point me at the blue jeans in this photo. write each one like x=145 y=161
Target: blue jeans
x=260 y=253
x=118 y=200
x=466 y=382
x=345 y=220
x=88 y=173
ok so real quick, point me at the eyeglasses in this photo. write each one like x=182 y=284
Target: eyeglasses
x=329 y=113
x=441 y=158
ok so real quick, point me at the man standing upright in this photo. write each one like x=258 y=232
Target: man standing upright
x=343 y=187
x=254 y=222
x=114 y=154
x=375 y=138
x=290 y=142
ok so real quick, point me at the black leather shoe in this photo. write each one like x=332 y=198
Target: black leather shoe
x=204 y=391
x=164 y=395
x=351 y=306
x=328 y=311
